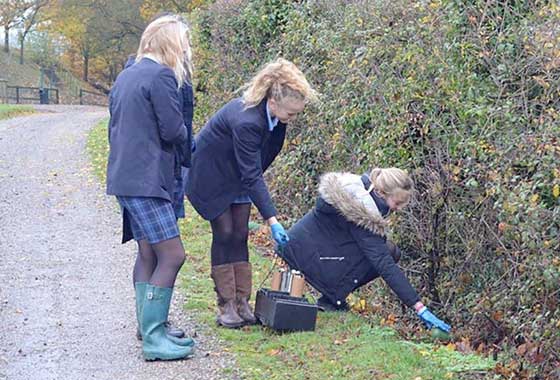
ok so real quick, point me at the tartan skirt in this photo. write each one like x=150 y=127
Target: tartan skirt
x=148 y=218
x=242 y=199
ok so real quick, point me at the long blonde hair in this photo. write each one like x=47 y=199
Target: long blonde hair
x=277 y=80
x=167 y=39
x=391 y=182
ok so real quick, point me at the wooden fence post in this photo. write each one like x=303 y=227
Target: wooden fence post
x=3 y=91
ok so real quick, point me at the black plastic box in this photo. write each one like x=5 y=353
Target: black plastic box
x=282 y=312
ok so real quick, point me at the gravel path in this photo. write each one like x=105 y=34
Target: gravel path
x=66 y=296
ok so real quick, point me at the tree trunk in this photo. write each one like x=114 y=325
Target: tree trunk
x=86 y=68
x=6 y=39
x=21 y=51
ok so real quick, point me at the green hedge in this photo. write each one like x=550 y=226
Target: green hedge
x=465 y=96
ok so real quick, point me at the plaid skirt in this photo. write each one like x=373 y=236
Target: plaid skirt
x=242 y=199
x=148 y=218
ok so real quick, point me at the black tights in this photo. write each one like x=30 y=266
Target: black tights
x=159 y=263
x=229 y=235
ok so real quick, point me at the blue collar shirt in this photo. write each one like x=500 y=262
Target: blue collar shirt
x=272 y=123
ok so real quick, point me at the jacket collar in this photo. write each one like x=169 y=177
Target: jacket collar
x=262 y=110
x=331 y=189
x=381 y=204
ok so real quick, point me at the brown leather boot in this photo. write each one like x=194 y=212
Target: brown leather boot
x=224 y=281
x=243 y=287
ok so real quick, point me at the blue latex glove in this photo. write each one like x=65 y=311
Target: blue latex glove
x=279 y=234
x=430 y=320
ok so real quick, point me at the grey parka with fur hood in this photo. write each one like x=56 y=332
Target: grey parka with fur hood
x=340 y=244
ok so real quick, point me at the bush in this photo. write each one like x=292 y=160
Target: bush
x=462 y=94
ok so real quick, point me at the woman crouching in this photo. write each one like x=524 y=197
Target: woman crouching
x=341 y=244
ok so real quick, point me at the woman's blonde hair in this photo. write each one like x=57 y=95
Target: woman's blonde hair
x=391 y=182
x=167 y=39
x=277 y=80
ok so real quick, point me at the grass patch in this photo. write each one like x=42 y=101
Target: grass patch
x=344 y=345
x=98 y=149
x=8 y=111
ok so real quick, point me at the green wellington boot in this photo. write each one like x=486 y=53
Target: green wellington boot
x=140 y=288
x=156 y=344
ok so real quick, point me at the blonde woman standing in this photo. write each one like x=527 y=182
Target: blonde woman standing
x=232 y=152
x=146 y=134
x=341 y=244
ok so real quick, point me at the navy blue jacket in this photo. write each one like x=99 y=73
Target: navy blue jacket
x=145 y=126
x=340 y=247
x=186 y=101
x=184 y=151
x=233 y=150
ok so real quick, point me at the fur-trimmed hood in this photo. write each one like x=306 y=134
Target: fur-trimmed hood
x=346 y=193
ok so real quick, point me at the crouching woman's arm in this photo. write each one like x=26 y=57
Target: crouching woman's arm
x=377 y=252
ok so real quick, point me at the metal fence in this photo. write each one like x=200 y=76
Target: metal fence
x=32 y=95
x=37 y=95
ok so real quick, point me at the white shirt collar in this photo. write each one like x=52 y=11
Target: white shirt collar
x=151 y=56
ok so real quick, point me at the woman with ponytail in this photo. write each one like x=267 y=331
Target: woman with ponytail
x=232 y=152
x=341 y=244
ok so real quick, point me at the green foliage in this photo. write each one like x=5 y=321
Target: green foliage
x=42 y=49
x=462 y=94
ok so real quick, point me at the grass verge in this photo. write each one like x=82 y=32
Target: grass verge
x=344 y=345
x=8 y=110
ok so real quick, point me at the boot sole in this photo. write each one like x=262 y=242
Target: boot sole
x=158 y=358
x=231 y=326
x=150 y=357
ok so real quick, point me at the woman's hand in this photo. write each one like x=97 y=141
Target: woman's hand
x=279 y=235
x=430 y=320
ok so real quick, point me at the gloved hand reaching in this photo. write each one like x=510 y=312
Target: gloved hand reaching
x=430 y=320
x=279 y=234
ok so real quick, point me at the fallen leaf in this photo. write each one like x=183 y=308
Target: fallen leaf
x=522 y=349
x=498 y=315
x=535 y=355
x=480 y=348
x=464 y=346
